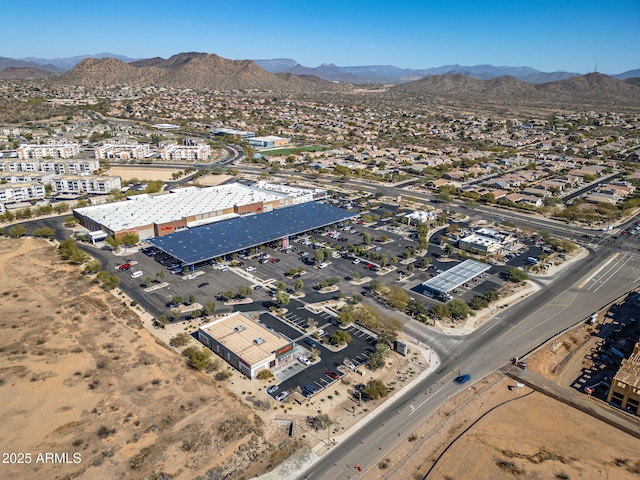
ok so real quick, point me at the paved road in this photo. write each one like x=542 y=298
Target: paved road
x=574 y=294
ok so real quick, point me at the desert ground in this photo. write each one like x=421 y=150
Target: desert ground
x=82 y=376
x=142 y=173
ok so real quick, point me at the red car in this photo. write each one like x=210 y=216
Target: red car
x=333 y=375
x=124 y=266
x=274 y=260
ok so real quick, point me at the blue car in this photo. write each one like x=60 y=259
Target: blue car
x=311 y=389
x=463 y=378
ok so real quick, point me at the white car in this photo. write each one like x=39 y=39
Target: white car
x=250 y=269
x=304 y=360
x=281 y=396
x=356 y=261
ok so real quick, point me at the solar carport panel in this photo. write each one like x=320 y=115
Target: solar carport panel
x=207 y=242
x=456 y=276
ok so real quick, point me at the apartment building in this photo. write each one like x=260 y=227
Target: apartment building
x=48 y=150
x=20 y=192
x=93 y=184
x=186 y=152
x=75 y=166
x=123 y=151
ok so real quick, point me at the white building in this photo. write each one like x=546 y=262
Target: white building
x=123 y=151
x=49 y=150
x=186 y=152
x=75 y=166
x=93 y=184
x=20 y=192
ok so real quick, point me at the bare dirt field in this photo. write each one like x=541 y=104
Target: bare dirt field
x=80 y=377
x=143 y=173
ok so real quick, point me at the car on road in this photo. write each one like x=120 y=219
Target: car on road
x=203 y=284
x=463 y=378
x=281 y=396
x=273 y=389
x=333 y=375
x=311 y=389
x=250 y=269
x=304 y=360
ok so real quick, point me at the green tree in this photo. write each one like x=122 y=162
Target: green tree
x=491 y=296
x=209 y=308
x=397 y=297
x=281 y=286
x=46 y=232
x=459 y=308
x=346 y=316
x=181 y=339
x=245 y=290
x=516 y=275
x=17 y=231
x=478 y=303
x=93 y=266
x=109 y=280
x=441 y=310
x=113 y=242
x=322 y=421
x=282 y=297
x=200 y=359
x=162 y=320
x=341 y=336
x=375 y=389
x=298 y=285
x=130 y=239
x=319 y=256
x=160 y=275
x=177 y=299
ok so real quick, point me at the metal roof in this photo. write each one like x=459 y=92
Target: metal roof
x=207 y=242
x=456 y=276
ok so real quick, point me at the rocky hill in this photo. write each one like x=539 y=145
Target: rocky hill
x=190 y=70
x=586 y=91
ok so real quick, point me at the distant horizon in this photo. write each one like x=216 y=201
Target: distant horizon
x=31 y=57
x=549 y=36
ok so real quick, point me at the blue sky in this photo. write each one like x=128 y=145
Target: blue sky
x=548 y=35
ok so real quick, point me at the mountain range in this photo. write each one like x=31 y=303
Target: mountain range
x=365 y=74
x=442 y=86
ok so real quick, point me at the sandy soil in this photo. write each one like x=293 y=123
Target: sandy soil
x=80 y=375
x=212 y=180
x=532 y=437
x=142 y=173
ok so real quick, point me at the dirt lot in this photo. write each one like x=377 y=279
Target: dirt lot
x=142 y=173
x=533 y=436
x=79 y=375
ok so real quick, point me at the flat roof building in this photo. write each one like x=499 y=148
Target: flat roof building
x=157 y=215
x=269 y=141
x=244 y=343
x=456 y=276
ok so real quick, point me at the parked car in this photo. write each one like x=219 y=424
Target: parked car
x=281 y=396
x=124 y=267
x=273 y=389
x=311 y=389
x=310 y=342
x=250 y=269
x=304 y=360
x=333 y=375
x=203 y=284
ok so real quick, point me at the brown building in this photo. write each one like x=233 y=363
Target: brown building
x=625 y=388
